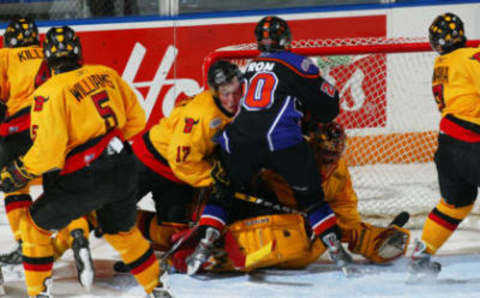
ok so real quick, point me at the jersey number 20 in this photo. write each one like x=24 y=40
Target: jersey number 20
x=260 y=91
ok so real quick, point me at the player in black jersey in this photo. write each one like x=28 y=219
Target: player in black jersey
x=281 y=87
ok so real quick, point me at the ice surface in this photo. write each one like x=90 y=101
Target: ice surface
x=460 y=277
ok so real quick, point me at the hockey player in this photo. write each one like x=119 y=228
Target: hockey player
x=282 y=86
x=293 y=248
x=456 y=89
x=173 y=155
x=79 y=120
x=22 y=69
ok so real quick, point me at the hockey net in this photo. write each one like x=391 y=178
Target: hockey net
x=390 y=116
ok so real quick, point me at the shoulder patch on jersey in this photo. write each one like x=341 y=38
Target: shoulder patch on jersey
x=306 y=63
x=476 y=56
x=189 y=123
x=39 y=101
x=216 y=122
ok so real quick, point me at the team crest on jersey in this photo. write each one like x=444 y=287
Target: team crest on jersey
x=189 y=123
x=215 y=123
x=39 y=101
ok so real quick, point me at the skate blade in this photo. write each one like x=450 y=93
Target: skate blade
x=88 y=273
x=351 y=271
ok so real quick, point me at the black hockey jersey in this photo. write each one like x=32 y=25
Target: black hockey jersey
x=280 y=87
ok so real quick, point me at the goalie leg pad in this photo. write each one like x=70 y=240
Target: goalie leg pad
x=292 y=248
x=378 y=244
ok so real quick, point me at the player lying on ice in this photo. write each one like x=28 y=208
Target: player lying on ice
x=260 y=237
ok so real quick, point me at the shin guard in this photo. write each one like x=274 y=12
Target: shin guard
x=16 y=206
x=442 y=221
x=37 y=256
x=137 y=253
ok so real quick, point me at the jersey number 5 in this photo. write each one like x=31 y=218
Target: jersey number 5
x=104 y=110
x=438 y=94
x=261 y=91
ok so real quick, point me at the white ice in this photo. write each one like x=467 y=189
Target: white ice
x=460 y=276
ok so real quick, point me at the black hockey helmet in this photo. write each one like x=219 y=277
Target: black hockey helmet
x=21 y=32
x=273 y=34
x=62 y=43
x=446 y=33
x=222 y=72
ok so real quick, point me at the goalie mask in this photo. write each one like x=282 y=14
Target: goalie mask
x=328 y=142
x=62 y=44
x=446 y=33
x=273 y=34
x=21 y=32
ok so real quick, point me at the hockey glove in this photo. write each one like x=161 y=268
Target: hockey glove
x=221 y=187
x=14 y=176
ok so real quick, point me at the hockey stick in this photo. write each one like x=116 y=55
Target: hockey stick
x=268 y=204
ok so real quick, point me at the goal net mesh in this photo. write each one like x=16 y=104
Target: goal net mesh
x=390 y=117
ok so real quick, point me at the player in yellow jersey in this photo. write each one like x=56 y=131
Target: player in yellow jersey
x=173 y=156
x=22 y=69
x=293 y=247
x=80 y=119
x=456 y=89
x=20 y=72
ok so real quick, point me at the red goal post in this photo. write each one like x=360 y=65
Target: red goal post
x=389 y=113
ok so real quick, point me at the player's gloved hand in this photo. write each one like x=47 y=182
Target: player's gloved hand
x=221 y=187
x=14 y=176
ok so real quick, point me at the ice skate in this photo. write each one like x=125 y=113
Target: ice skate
x=203 y=251
x=162 y=290
x=421 y=268
x=339 y=256
x=12 y=258
x=83 y=259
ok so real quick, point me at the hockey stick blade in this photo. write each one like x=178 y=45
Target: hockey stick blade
x=401 y=219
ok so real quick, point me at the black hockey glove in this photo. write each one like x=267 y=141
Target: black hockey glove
x=222 y=191
x=14 y=176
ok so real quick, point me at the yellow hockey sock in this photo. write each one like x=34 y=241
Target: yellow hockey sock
x=37 y=256
x=137 y=253
x=441 y=223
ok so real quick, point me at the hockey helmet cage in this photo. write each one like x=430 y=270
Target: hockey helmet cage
x=62 y=43
x=222 y=72
x=328 y=142
x=273 y=34
x=446 y=33
x=21 y=32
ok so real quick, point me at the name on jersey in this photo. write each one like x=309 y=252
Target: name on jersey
x=440 y=74
x=30 y=54
x=260 y=66
x=90 y=84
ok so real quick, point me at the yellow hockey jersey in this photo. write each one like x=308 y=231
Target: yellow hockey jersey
x=19 y=68
x=337 y=187
x=456 y=88
x=74 y=107
x=184 y=138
